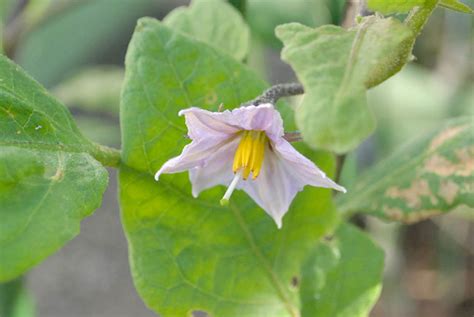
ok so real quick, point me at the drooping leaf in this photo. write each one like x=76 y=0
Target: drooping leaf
x=335 y=66
x=456 y=6
x=430 y=176
x=48 y=180
x=343 y=277
x=215 y=22
x=389 y=7
x=192 y=254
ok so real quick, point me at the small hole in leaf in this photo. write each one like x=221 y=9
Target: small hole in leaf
x=199 y=313
x=295 y=282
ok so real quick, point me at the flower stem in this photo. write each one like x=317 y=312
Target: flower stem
x=272 y=94
x=9 y=295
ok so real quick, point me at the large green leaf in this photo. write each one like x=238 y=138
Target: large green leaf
x=343 y=277
x=192 y=254
x=335 y=66
x=215 y=22
x=427 y=177
x=48 y=181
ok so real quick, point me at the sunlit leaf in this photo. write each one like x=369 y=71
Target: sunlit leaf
x=192 y=254
x=343 y=277
x=48 y=180
x=428 y=177
x=215 y=22
x=335 y=66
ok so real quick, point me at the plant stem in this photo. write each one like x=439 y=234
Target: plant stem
x=240 y=5
x=272 y=94
x=419 y=15
x=108 y=156
x=9 y=294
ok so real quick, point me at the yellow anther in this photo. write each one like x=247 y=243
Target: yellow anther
x=250 y=153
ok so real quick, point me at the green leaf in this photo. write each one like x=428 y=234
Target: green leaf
x=48 y=180
x=456 y=6
x=343 y=277
x=398 y=6
x=335 y=66
x=192 y=254
x=214 y=22
x=430 y=176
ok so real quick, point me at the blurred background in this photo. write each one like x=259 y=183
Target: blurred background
x=76 y=49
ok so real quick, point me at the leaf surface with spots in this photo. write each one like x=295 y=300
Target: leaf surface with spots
x=430 y=176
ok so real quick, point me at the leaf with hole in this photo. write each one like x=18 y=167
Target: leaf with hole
x=192 y=254
x=343 y=277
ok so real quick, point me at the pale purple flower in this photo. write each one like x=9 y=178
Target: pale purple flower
x=228 y=146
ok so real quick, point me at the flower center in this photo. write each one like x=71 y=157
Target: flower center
x=249 y=154
x=248 y=158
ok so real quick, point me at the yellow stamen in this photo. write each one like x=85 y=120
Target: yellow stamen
x=250 y=153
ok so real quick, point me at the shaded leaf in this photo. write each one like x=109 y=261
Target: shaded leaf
x=335 y=66
x=48 y=180
x=93 y=89
x=430 y=176
x=215 y=22
x=456 y=6
x=192 y=254
x=343 y=277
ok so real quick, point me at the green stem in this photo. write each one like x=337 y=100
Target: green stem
x=9 y=294
x=108 y=156
x=419 y=15
x=240 y=5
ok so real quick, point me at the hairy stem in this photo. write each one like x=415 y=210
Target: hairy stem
x=108 y=156
x=272 y=94
x=419 y=15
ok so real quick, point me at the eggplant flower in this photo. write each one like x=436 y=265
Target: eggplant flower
x=245 y=149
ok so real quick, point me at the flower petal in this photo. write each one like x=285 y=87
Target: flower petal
x=263 y=117
x=274 y=189
x=302 y=169
x=203 y=124
x=284 y=173
x=216 y=171
x=194 y=155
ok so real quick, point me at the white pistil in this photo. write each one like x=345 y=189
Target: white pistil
x=225 y=200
